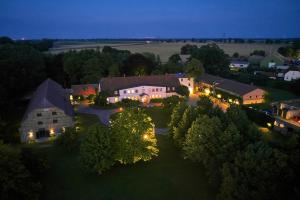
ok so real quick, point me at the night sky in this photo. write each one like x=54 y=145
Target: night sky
x=33 y=19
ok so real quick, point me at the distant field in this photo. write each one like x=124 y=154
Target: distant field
x=164 y=50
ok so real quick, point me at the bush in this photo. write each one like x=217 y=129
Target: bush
x=183 y=91
x=97 y=150
x=128 y=103
x=101 y=99
x=68 y=139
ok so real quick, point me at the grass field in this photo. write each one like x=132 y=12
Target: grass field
x=164 y=50
x=166 y=177
x=278 y=95
x=160 y=116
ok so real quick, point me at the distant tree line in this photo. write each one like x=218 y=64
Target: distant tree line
x=291 y=51
x=239 y=162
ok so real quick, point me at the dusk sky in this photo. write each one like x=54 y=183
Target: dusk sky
x=152 y=18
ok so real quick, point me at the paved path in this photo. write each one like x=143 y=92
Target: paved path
x=104 y=116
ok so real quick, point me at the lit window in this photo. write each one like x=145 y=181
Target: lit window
x=168 y=89
x=173 y=88
x=55 y=121
x=128 y=91
x=132 y=91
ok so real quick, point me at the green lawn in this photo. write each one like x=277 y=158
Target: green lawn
x=159 y=115
x=278 y=95
x=166 y=177
x=84 y=121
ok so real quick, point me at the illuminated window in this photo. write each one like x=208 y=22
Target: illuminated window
x=168 y=88
x=128 y=91
x=132 y=91
x=173 y=88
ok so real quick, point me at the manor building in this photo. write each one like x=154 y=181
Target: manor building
x=144 y=88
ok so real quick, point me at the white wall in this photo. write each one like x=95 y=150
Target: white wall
x=188 y=82
x=292 y=75
x=135 y=92
x=237 y=65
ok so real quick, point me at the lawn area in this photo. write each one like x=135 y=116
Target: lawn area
x=166 y=177
x=278 y=95
x=84 y=121
x=159 y=115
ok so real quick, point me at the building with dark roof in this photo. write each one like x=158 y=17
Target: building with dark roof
x=248 y=94
x=48 y=113
x=84 y=90
x=143 y=88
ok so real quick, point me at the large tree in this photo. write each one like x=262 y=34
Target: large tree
x=136 y=65
x=214 y=60
x=97 y=151
x=194 y=68
x=176 y=116
x=134 y=134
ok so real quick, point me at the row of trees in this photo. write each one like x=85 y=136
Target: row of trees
x=291 y=51
x=238 y=161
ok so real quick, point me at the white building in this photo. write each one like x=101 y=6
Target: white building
x=144 y=88
x=292 y=75
x=238 y=64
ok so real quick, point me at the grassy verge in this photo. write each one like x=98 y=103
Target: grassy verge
x=159 y=115
x=166 y=177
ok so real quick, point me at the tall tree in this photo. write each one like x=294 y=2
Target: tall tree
x=194 y=68
x=97 y=153
x=134 y=134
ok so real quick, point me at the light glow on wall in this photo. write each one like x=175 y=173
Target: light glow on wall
x=207 y=91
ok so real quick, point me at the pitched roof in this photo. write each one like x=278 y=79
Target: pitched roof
x=84 y=89
x=50 y=94
x=232 y=86
x=117 y=83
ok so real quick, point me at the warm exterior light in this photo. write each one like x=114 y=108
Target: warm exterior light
x=281 y=125
x=121 y=109
x=116 y=99
x=219 y=96
x=52 y=131
x=207 y=91
x=237 y=102
x=269 y=124
x=145 y=136
x=30 y=135
x=71 y=97
x=230 y=100
x=191 y=90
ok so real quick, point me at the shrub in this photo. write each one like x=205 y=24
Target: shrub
x=68 y=139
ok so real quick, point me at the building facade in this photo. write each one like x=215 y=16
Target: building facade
x=144 y=88
x=48 y=114
x=292 y=75
x=240 y=93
